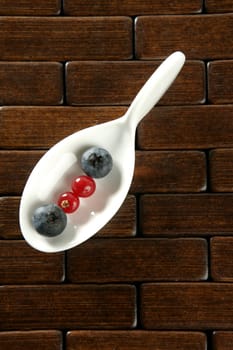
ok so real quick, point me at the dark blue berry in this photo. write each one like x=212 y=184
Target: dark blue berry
x=96 y=162
x=49 y=220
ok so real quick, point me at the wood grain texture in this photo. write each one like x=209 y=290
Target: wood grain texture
x=169 y=171
x=135 y=340
x=219 y=6
x=199 y=37
x=187 y=127
x=129 y=7
x=221 y=258
x=67 y=306
x=116 y=83
x=187 y=306
x=187 y=214
x=137 y=260
x=220 y=81
x=222 y=340
x=28 y=7
x=37 y=340
x=221 y=170
x=61 y=38
x=44 y=126
x=9 y=221
x=9 y=218
x=20 y=264
x=31 y=83
x=17 y=165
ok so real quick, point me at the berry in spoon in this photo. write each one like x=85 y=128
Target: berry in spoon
x=83 y=186
x=49 y=220
x=68 y=202
x=96 y=162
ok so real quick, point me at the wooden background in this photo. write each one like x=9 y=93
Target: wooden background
x=159 y=276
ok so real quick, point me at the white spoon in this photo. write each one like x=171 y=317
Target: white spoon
x=55 y=171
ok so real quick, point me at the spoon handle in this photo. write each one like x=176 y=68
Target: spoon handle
x=155 y=87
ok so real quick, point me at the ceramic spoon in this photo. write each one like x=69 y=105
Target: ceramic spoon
x=55 y=171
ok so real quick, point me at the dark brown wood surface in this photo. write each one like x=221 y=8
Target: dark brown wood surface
x=206 y=37
x=159 y=275
x=135 y=340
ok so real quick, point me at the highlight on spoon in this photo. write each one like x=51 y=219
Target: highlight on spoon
x=81 y=182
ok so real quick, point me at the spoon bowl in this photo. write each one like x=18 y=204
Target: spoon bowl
x=56 y=170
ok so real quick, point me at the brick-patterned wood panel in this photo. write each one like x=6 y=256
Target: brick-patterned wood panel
x=222 y=340
x=67 y=306
x=20 y=264
x=135 y=340
x=37 y=340
x=61 y=38
x=127 y=216
x=44 y=126
x=167 y=252
x=18 y=166
x=221 y=170
x=129 y=7
x=169 y=171
x=28 y=7
x=219 y=6
x=114 y=83
x=222 y=258
x=187 y=306
x=31 y=83
x=220 y=81
x=187 y=127
x=127 y=260
x=200 y=37
x=187 y=214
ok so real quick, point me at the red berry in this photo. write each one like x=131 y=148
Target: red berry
x=68 y=202
x=83 y=186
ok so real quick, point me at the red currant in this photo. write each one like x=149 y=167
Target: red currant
x=68 y=202
x=83 y=186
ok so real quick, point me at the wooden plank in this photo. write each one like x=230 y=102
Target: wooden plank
x=15 y=167
x=187 y=127
x=38 y=340
x=9 y=218
x=221 y=258
x=38 y=122
x=129 y=7
x=187 y=214
x=221 y=170
x=219 y=6
x=135 y=340
x=28 y=7
x=222 y=340
x=9 y=222
x=116 y=83
x=187 y=306
x=220 y=81
x=20 y=264
x=210 y=35
x=67 y=306
x=137 y=260
x=169 y=171
x=28 y=83
x=62 y=39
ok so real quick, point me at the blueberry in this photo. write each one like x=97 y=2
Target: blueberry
x=96 y=162
x=49 y=220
